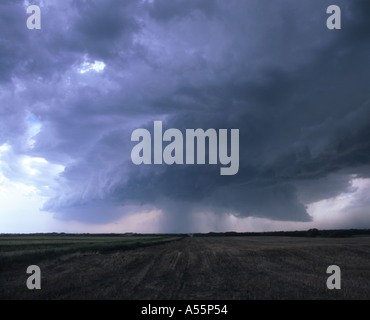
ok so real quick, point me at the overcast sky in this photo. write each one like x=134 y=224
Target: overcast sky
x=72 y=93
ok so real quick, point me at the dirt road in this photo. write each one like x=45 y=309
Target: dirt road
x=204 y=268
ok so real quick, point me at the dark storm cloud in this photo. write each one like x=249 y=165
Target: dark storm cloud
x=102 y=28
x=167 y=10
x=297 y=91
x=12 y=37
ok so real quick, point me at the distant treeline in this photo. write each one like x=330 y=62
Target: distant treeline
x=338 y=233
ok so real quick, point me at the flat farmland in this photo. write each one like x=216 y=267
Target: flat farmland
x=230 y=268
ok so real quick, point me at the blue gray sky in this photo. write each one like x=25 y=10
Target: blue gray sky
x=72 y=93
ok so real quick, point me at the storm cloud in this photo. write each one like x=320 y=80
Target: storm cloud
x=298 y=93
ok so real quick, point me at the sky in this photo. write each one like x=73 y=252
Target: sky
x=72 y=93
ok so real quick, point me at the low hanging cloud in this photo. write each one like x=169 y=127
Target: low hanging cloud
x=297 y=92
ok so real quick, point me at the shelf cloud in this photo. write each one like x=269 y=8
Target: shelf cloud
x=297 y=91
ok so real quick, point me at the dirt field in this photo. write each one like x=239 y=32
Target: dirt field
x=204 y=268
